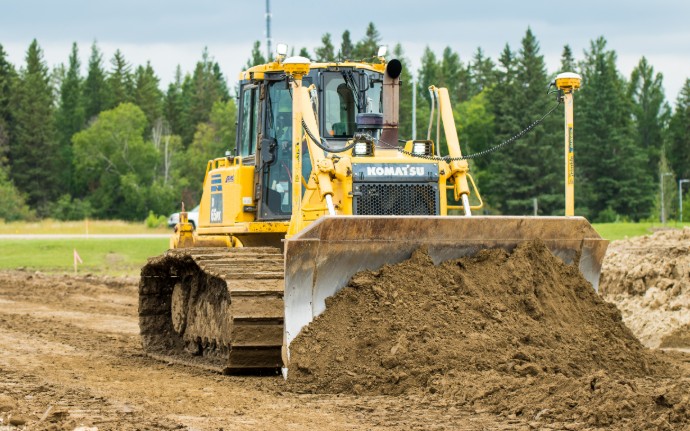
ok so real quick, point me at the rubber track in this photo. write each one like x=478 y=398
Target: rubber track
x=214 y=308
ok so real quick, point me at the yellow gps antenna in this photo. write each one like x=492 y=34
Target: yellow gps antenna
x=567 y=83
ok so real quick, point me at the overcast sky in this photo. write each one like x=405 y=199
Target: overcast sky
x=171 y=32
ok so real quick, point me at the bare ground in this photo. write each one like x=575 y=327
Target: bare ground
x=70 y=357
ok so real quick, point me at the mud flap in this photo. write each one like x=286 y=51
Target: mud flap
x=321 y=259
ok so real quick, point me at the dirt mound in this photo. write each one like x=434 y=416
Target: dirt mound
x=648 y=278
x=518 y=334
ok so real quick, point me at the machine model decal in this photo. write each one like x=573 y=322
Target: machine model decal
x=395 y=172
x=217 y=208
x=230 y=179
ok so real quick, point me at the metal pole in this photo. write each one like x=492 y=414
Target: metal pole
x=268 y=30
x=661 y=184
x=414 y=110
x=534 y=205
x=680 y=201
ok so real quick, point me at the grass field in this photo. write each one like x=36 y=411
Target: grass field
x=112 y=256
x=614 y=231
x=78 y=227
x=126 y=256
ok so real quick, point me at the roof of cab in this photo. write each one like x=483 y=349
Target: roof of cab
x=257 y=72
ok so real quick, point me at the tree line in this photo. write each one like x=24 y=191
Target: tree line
x=114 y=144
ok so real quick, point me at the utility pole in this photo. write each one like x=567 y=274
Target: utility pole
x=661 y=185
x=268 y=30
x=680 y=199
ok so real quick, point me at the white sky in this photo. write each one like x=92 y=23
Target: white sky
x=172 y=32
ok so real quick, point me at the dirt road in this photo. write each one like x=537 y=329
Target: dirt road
x=70 y=357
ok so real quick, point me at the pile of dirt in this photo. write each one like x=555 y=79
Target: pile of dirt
x=518 y=334
x=648 y=278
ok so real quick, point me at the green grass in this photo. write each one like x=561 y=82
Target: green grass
x=78 y=227
x=614 y=231
x=111 y=256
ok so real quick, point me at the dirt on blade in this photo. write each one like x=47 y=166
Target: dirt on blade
x=519 y=334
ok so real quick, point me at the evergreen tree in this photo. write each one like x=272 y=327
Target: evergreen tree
x=325 y=52
x=34 y=150
x=609 y=167
x=451 y=74
x=530 y=167
x=174 y=107
x=7 y=77
x=120 y=82
x=256 y=57
x=147 y=95
x=567 y=60
x=368 y=46
x=95 y=91
x=650 y=111
x=429 y=73
x=303 y=52
x=70 y=114
x=482 y=69
x=199 y=92
x=346 y=46
x=679 y=134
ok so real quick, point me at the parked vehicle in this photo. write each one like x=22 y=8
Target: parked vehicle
x=193 y=215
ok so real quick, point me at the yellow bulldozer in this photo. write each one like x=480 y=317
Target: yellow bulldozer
x=317 y=189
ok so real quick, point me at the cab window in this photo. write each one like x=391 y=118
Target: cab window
x=249 y=115
x=340 y=108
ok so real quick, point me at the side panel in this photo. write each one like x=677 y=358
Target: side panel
x=227 y=193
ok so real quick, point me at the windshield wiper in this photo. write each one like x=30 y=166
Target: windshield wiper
x=351 y=83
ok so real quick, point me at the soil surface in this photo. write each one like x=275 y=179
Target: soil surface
x=519 y=335
x=648 y=278
x=71 y=358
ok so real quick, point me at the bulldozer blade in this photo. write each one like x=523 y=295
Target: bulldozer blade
x=321 y=259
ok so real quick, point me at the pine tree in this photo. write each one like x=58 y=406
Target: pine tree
x=567 y=60
x=147 y=95
x=70 y=114
x=679 y=134
x=174 y=108
x=530 y=167
x=256 y=57
x=7 y=78
x=451 y=71
x=650 y=111
x=34 y=150
x=610 y=173
x=199 y=93
x=483 y=73
x=429 y=73
x=304 y=52
x=325 y=53
x=95 y=88
x=120 y=81
x=368 y=46
x=346 y=47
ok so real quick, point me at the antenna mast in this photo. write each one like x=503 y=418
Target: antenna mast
x=268 y=30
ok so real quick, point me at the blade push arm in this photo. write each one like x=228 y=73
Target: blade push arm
x=458 y=168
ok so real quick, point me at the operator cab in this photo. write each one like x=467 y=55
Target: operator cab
x=264 y=131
